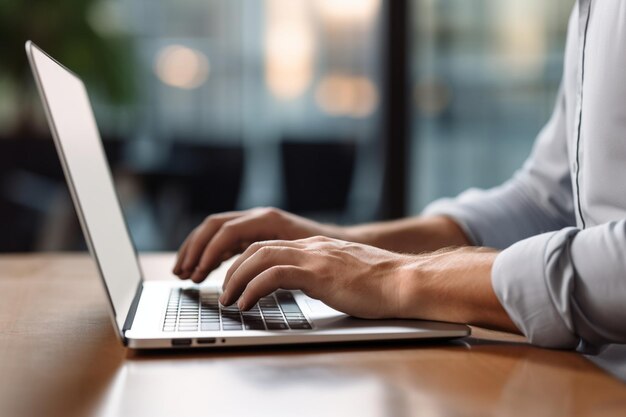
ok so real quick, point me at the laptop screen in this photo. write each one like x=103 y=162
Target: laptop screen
x=88 y=176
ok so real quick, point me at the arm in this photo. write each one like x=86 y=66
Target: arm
x=223 y=235
x=450 y=285
x=411 y=235
x=563 y=289
x=454 y=285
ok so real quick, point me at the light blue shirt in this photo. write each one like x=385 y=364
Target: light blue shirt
x=561 y=220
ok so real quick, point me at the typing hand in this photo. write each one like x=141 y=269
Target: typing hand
x=357 y=279
x=221 y=236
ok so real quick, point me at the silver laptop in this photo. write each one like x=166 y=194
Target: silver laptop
x=173 y=313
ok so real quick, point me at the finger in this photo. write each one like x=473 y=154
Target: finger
x=286 y=277
x=201 y=238
x=178 y=266
x=182 y=273
x=262 y=260
x=251 y=250
x=229 y=238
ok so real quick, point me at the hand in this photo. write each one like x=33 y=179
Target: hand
x=452 y=285
x=360 y=280
x=221 y=236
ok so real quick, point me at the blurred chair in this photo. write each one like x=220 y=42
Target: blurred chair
x=195 y=180
x=35 y=207
x=318 y=175
x=30 y=180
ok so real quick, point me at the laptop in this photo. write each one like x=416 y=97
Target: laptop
x=149 y=314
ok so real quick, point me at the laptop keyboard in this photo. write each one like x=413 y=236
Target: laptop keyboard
x=190 y=310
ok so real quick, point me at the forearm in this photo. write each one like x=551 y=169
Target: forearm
x=454 y=286
x=411 y=235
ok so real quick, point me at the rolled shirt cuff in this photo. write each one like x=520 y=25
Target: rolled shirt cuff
x=486 y=216
x=466 y=220
x=530 y=287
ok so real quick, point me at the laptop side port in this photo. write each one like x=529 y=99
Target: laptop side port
x=181 y=342
x=206 y=341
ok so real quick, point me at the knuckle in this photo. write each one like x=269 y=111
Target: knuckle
x=264 y=251
x=277 y=273
x=209 y=219
x=228 y=229
x=193 y=236
x=256 y=246
x=317 y=242
x=272 y=212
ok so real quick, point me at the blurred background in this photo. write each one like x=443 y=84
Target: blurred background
x=341 y=110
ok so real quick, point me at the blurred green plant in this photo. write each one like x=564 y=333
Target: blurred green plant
x=65 y=29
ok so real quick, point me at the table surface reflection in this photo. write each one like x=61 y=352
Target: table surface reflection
x=59 y=357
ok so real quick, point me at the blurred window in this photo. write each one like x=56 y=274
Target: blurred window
x=485 y=75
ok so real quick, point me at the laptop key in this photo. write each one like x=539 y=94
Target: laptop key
x=274 y=321
x=187 y=329
x=299 y=326
x=294 y=317
x=277 y=326
x=254 y=326
x=189 y=310
x=302 y=320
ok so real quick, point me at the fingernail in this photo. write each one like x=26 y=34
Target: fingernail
x=223 y=299
x=241 y=305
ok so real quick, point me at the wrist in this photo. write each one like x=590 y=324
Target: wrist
x=451 y=285
x=415 y=289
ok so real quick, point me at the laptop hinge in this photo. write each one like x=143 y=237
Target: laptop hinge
x=130 y=317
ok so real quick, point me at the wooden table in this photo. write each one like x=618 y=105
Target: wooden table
x=59 y=357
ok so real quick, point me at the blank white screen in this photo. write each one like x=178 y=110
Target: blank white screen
x=87 y=173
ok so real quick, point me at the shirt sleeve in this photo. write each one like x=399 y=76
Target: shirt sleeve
x=537 y=199
x=566 y=289
x=563 y=287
